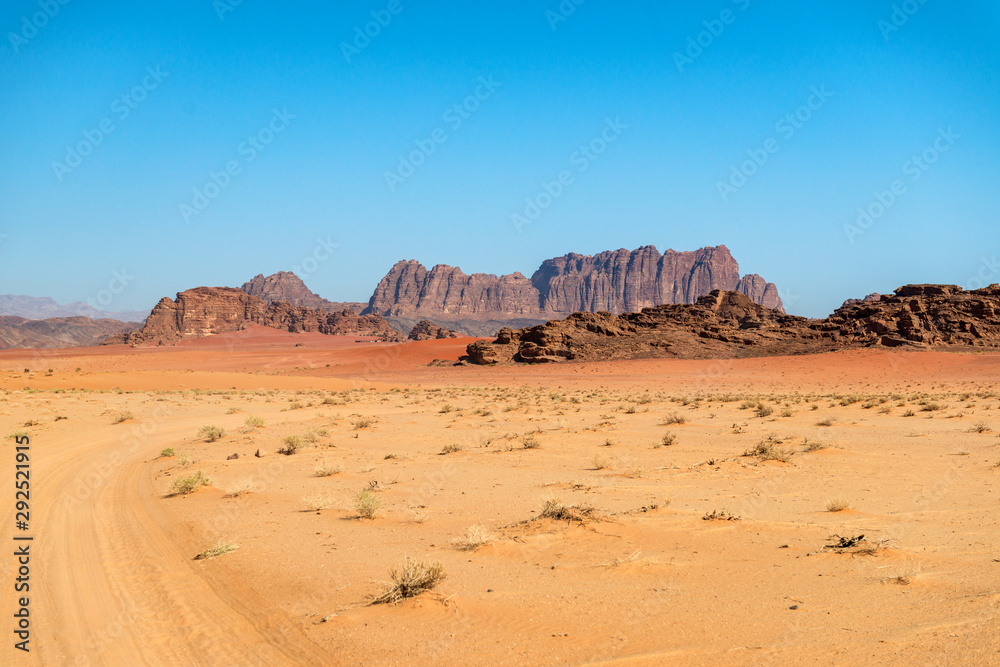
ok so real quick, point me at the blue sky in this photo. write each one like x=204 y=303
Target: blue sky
x=309 y=131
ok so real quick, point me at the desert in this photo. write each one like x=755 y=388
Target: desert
x=623 y=512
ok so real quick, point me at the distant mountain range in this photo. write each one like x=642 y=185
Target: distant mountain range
x=40 y=308
x=616 y=281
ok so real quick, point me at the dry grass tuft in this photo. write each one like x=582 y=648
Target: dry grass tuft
x=190 y=484
x=241 y=488
x=219 y=549
x=414 y=578
x=325 y=469
x=211 y=433
x=122 y=416
x=318 y=501
x=367 y=503
x=474 y=537
x=553 y=509
x=838 y=505
x=768 y=450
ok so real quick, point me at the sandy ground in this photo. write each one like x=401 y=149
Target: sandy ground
x=908 y=441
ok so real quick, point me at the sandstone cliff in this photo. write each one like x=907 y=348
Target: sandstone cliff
x=615 y=281
x=286 y=286
x=729 y=324
x=205 y=311
x=427 y=330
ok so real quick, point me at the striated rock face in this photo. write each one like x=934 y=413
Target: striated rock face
x=20 y=332
x=616 y=281
x=730 y=324
x=427 y=330
x=205 y=311
x=286 y=286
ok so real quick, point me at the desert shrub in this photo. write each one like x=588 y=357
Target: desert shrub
x=169 y=451
x=602 y=462
x=325 y=469
x=254 y=422
x=364 y=422
x=763 y=410
x=211 y=433
x=674 y=418
x=530 y=442
x=474 y=537
x=768 y=450
x=814 y=446
x=190 y=484
x=291 y=444
x=838 y=505
x=122 y=416
x=826 y=422
x=413 y=579
x=450 y=449
x=667 y=440
x=241 y=488
x=553 y=509
x=318 y=501
x=184 y=460
x=221 y=548
x=980 y=427
x=367 y=504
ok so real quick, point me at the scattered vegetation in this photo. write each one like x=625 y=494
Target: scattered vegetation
x=221 y=548
x=190 y=484
x=980 y=427
x=254 y=422
x=122 y=416
x=211 y=433
x=553 y=509
x=290 y=445
x=768 y=450
x=367 y=504
x=169 y=451
x=717 y=515
x=414 y=578
x=474 y=537
x=450 y=449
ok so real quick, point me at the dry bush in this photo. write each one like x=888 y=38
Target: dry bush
x=292 y=444
x=219 y=549
x=530 y=442
x=474 y=537
x=602 y=462
x=318 y=501
x=674 y=418
x=980 y=427
x=190 y=484
x=325 y=469
x=211 y=433
x=169 y=451
x=184 y=460
x=362 y=423
x=367 y=503
x=120 y=417
x=450 y=449
x=838 y=505
x=667 y=440
x=254 y=422
x=814 y=446
x=553 y=509
x=763 y=410
x=413 y=579
x=241 y=488
x=768 y=450
x=826 y=422
x=717 y=515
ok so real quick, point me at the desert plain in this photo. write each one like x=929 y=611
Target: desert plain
x=828 y=509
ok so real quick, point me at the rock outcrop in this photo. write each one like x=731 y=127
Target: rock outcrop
x=205 y=311
x=615 y=281
x=286 y=286
x=427 y=330
x=20 y=332
x=728 y=324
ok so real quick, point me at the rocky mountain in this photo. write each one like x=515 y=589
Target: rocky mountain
x=21 y=332
x=205 y=311
x=729 y=324
x=615 y=281
x=286 y=286
x=427 y=330
x=40 y=308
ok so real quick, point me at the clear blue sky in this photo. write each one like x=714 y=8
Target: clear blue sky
x=551 y=91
